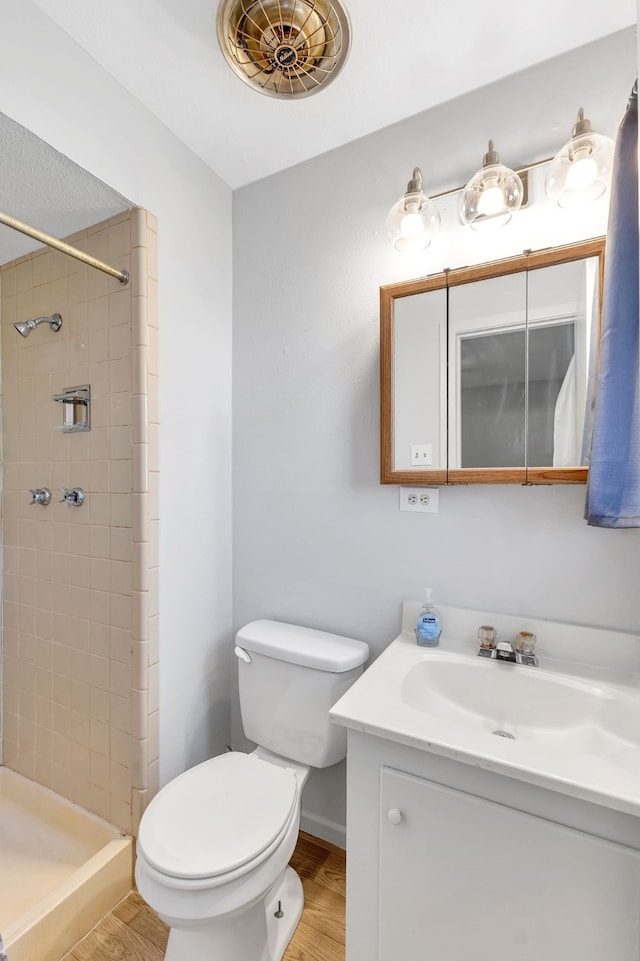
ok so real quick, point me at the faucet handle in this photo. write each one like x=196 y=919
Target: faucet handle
x=525 y=643
x=525 y=647
x=41 y=495
x=487 y=636
x=73 y=497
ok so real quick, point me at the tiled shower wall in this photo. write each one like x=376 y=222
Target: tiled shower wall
x=80 y=615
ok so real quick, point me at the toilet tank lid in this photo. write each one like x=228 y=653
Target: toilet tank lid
x=303 y=645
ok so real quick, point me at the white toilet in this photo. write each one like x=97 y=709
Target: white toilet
x=214 y=844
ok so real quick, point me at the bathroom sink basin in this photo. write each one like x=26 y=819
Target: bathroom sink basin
x=572 y=724
x=523 y=703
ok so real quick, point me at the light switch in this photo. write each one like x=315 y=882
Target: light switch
x=421 y=455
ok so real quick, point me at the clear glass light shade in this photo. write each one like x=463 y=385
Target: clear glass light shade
x=492 y=196
x=413 y=222
x=580 y=172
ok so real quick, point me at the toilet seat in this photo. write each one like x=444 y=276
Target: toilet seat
x=218 y=820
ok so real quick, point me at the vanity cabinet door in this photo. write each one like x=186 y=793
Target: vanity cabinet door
x=463 y=878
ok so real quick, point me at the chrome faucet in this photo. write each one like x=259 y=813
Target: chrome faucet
x=505 y=651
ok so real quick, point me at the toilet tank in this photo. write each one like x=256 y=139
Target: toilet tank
x=294 y=676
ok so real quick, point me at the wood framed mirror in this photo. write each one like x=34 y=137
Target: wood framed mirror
x=484 y=370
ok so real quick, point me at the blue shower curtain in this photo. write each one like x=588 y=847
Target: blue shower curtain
x=612 y=444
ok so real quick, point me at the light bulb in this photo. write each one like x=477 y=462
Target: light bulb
x=491 y=201
x=411 y=224
x=582 y=172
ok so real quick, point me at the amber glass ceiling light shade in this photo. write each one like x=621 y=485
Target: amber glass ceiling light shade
x=284 y=48
x=412 y=223
x=580 y=172
x=492 y=195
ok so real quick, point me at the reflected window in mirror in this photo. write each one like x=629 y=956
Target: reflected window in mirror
x=487 y=372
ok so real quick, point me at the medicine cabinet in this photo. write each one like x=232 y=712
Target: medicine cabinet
x=484 y=370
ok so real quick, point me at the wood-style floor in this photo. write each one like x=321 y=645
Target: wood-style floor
x=133 y=932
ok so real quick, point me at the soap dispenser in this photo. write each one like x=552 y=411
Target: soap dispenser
x=428 y=626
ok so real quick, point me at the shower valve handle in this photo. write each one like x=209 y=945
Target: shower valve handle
x=41 y=495
x=73 y=497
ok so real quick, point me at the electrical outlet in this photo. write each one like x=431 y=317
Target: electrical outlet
x=424 y=499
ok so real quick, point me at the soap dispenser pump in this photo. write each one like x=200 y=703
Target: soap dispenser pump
x=428 y=626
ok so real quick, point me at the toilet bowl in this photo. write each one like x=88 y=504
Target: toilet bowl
x=214 y=844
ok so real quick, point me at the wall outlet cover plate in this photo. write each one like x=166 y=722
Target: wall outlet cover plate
x=422 y=499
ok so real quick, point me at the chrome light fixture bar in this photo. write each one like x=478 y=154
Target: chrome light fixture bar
x=579 y=173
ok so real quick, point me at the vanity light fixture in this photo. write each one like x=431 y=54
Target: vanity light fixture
x=492 y=195
x=412 y=223
x=580 y=171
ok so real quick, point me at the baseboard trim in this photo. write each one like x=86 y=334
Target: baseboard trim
x=321 y=827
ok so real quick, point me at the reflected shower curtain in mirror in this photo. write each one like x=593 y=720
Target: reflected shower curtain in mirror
x=564 y=420
x=612 y=426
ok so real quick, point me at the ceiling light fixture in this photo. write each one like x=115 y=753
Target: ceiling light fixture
x=412 y=223
x=492 y=195
x=284 y=48
x=580 y=172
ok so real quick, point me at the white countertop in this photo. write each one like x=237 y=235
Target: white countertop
x=576 y=755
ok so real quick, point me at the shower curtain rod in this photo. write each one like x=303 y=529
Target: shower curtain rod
x=9 y=221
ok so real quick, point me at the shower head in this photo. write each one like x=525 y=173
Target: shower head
x=24 y=329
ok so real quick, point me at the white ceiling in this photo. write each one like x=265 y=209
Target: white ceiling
x=165 y=52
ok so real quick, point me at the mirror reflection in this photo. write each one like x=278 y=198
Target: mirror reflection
x=420 y=379
x=488 y=370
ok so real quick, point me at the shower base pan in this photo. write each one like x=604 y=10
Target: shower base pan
x=61 y=870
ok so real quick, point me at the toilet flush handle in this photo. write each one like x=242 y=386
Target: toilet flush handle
x=243 y=655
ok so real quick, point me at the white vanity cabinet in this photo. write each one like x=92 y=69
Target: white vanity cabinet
x=467 y=846
x=446 y=862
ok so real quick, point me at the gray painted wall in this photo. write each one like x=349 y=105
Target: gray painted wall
x=317 y=540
